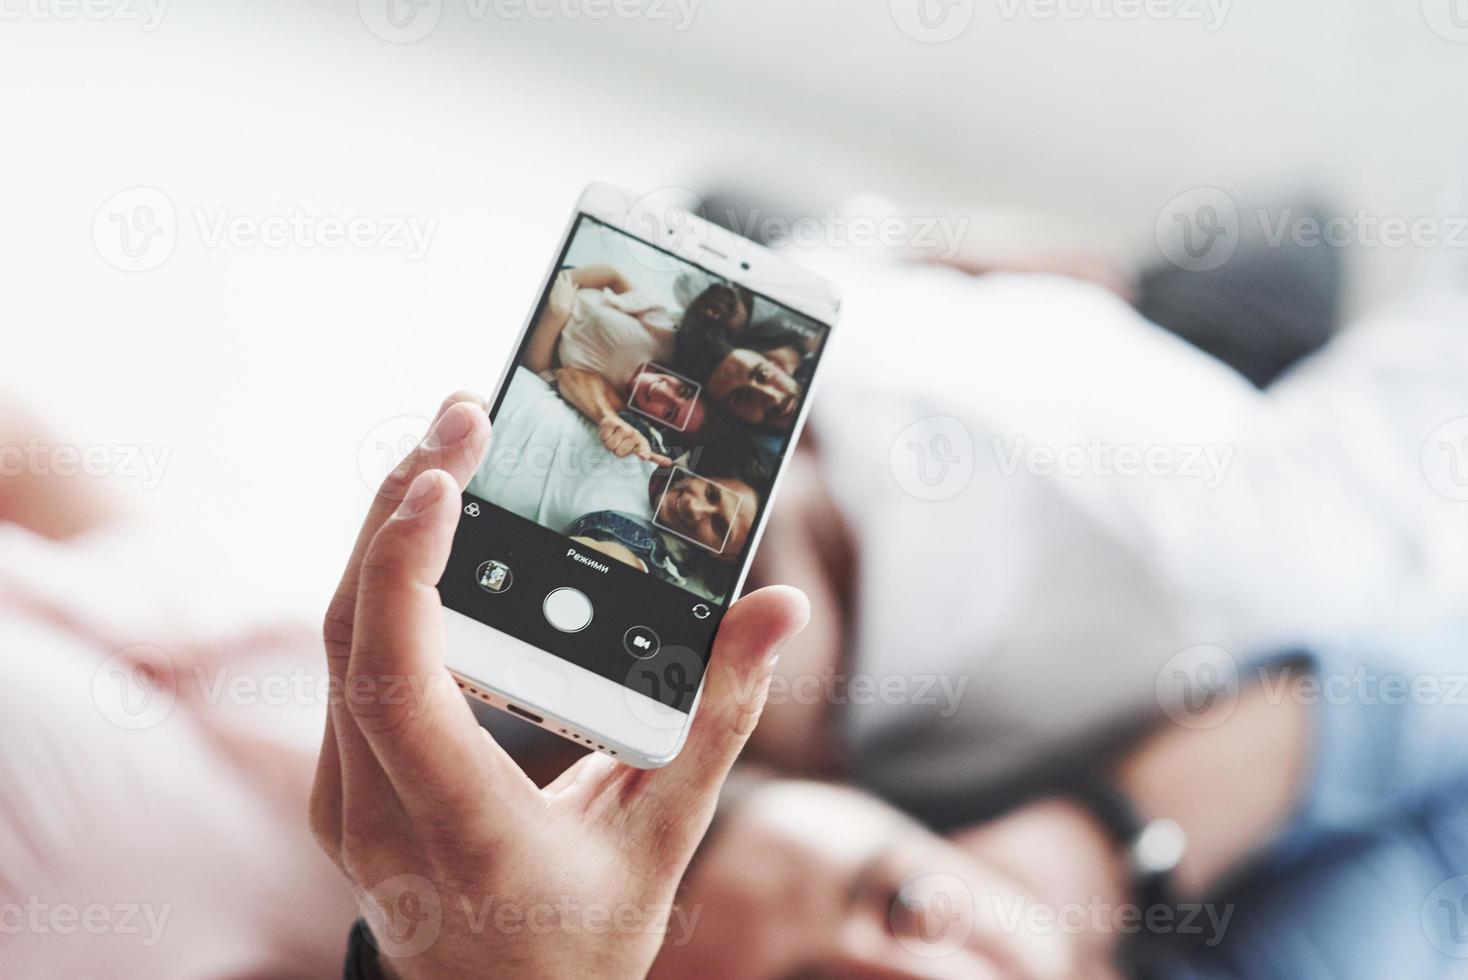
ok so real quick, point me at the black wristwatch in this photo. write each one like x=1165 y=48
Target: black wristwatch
x=1152 y=849
x=361 y=962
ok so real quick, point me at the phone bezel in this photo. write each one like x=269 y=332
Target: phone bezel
x=593 y=711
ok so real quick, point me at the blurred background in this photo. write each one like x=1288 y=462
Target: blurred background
x=254 y=365
x=248 y=248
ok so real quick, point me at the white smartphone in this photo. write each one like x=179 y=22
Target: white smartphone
x=639 y=432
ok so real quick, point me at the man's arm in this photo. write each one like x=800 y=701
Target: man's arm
x=593 y=396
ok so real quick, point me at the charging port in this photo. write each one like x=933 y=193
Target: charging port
x=515 y=709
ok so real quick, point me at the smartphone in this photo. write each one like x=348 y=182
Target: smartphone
x=639 y=432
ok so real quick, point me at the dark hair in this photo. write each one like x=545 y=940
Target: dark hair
x=728 y=449
x=703 y=340
x=703 y=348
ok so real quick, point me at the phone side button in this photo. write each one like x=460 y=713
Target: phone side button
x=537 y=682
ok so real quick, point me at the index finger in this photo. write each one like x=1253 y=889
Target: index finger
x=404 y=701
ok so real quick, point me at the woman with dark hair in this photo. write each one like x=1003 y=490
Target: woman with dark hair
x=758 y=374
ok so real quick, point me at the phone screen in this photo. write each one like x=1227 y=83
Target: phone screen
x=635 y=445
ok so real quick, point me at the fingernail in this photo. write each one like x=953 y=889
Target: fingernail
x=420 y=494
x=450 y=429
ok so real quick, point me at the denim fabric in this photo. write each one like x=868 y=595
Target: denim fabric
x=1370 y=880
x=634 y=533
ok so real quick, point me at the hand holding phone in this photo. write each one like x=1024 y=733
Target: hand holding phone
x=642 y=423
x=462 y=865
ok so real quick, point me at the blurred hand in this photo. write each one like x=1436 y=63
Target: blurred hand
x=812 y=880
x=622 y=439
x=462 y=865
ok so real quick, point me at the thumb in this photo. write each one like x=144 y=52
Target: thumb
x=683 y=793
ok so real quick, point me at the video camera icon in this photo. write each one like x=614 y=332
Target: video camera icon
x=641 y=642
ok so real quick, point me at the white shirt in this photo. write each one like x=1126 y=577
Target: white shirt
x=1062 y=594
x=614 y=334
x=546 y=462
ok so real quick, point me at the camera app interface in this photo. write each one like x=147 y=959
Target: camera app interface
x=636 y=442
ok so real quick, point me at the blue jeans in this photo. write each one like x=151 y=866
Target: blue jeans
x=634 y=533
x=1371 y=879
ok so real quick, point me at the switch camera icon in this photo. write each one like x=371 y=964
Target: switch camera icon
x=702 y=611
